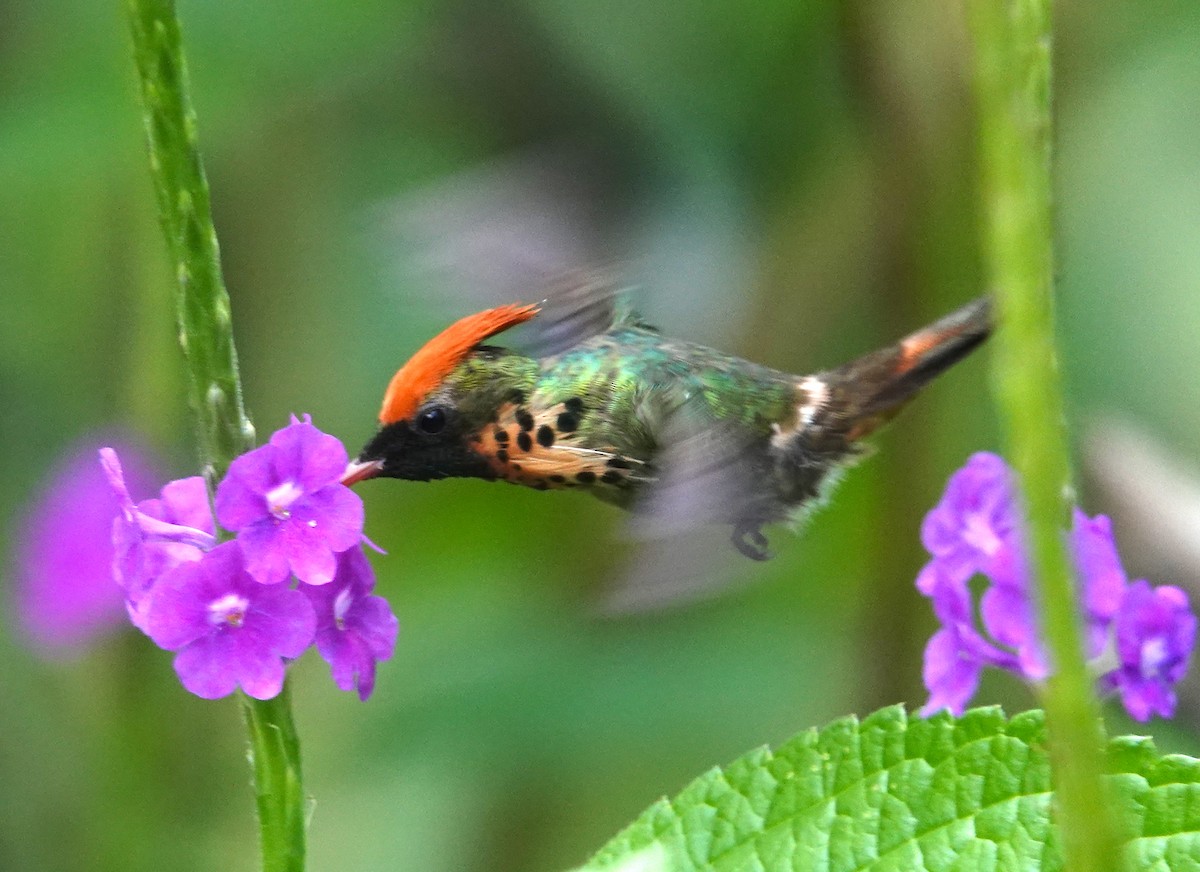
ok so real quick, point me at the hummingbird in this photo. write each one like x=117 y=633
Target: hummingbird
x=665 y=427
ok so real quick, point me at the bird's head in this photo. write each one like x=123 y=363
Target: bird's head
x=441 y=399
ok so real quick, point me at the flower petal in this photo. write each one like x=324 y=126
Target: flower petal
x=1144 y=699
x=1007 y=616
x=202 y=667
x=177 y=609
x=309 y=457
x=350 y=662
x=258 y=668
x=285 y=616
x=266 y=560
x=307 y=553
x=375 y=624
x=336 y=512
x=951 y=674
x=1101 y=574
x=241 y=495
x=287 y=504
x=185 y=502
x=976 y=514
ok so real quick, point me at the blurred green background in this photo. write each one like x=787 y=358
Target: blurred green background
x=791 y=180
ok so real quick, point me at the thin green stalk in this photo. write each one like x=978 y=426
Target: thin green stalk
x=206 y=334
x=1012 y=73
x=202 y=304
x=278 y=786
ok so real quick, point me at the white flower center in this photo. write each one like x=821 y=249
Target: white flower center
x=341 y=605
x=979 y=534
x=1154 y=655
x=281 y=497
x=229 y=609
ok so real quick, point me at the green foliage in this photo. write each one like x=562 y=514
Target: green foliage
x=888 y=793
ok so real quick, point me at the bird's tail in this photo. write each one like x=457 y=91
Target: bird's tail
x=864 y=394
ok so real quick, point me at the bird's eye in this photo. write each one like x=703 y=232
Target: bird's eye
x=431 y=421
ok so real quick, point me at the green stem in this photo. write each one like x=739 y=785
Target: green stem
x=206 y=334
x=202 y=304
x=1012 y=73
x=278 y=786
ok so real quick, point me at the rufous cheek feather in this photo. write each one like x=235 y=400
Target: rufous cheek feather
x=425 y=370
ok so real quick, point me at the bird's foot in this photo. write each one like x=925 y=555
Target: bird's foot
x=748 y=538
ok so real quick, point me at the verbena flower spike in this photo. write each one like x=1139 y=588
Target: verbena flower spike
x=233 y=611
x=1138 y=639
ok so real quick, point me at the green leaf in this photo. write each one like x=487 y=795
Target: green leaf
x=888 y=793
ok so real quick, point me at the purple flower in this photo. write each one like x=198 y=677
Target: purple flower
x=288 y=507
x=232 y=611
x=63 y=551
x=354 y=628
x=1096 y=559
x=968 y=529
x=973 y=530
x=155 y=535
x=1155 y=632
x=230 y=631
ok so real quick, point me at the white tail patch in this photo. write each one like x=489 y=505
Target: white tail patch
x=816 y=393
x=812 y=394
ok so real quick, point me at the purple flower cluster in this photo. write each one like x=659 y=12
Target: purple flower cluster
x=1138 y=639
x=235 y=612
x=63 y=550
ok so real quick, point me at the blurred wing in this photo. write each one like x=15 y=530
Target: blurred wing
x=527 y=230
x=488 y=234
x=682 y=568
x=577 y=305
x=704 y=472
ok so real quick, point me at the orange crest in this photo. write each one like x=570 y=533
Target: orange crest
x=425 y=370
